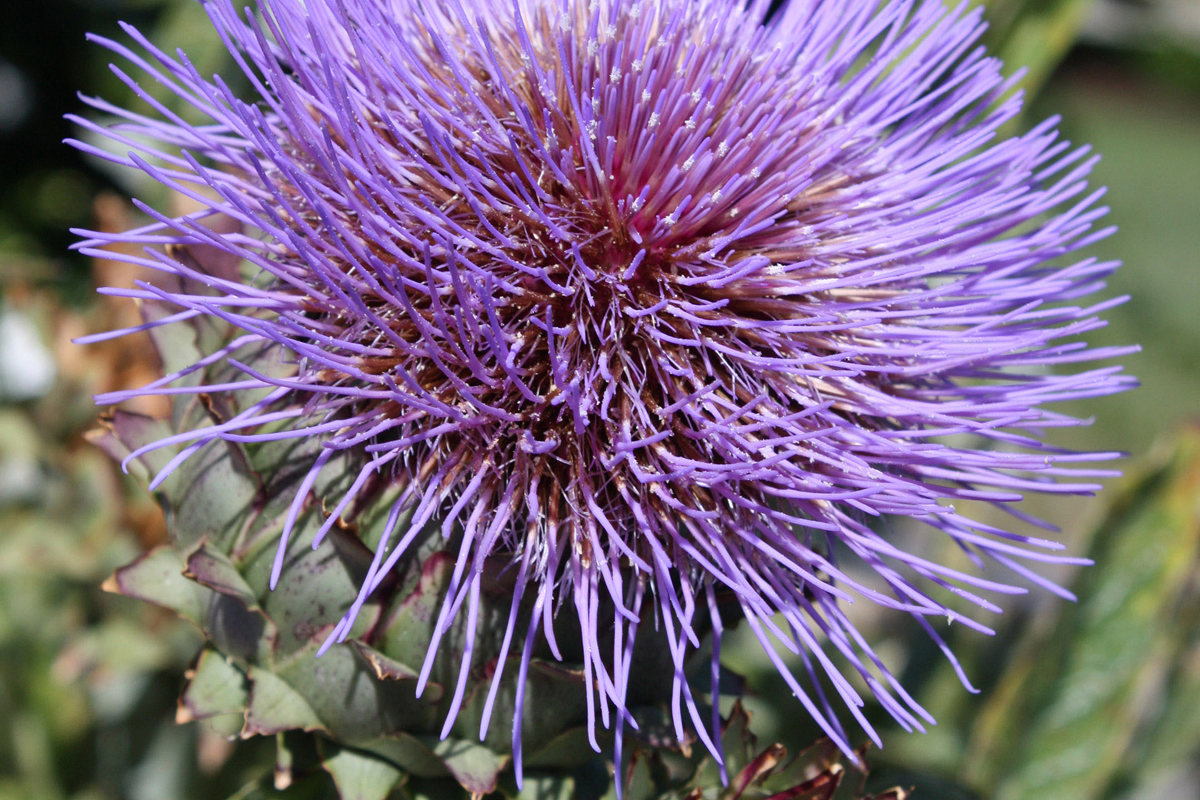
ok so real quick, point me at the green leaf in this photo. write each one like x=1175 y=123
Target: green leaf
x=210 y=496
x=737 y=745
x=571 y=748
x=176 y=344
x=232 y=619
x=638 y=778
x=548 y=787
x=1174 y=736
x=414 y=755
x=1033 y=34
x=347 y=697
x=315 y=588
x=212 y=568
x=157 y=577
x=385 y=668
x=548 y=685
x=476 y=767
x=285 y=761
x=276 y=707
x=1066 y=716
x=216 y=688
x=124 y=432
x=406 y=636
x=358 y=775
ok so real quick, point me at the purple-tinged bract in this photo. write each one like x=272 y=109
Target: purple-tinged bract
x=663 y=301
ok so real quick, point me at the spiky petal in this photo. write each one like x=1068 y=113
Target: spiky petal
x=664 y=300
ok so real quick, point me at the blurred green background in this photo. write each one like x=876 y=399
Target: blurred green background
x=1097 y=700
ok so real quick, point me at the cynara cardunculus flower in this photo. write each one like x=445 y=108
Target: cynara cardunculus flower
x=668 y=303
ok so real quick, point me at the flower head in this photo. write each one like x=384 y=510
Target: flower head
x=660 y=300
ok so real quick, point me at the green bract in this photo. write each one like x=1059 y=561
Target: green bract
x=354 y=710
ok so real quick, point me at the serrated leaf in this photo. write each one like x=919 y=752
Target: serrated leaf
x=384 y=668
x=210 y=496
x=276 y=707
x=123 y=432
x=358 y=775
x=231 y=617
x=212 y=568
x=315 y=588
x=176 y=344
x=474 y=766
x=406 y=636
x=215 y=687
x=353 y=704
x=157 y=577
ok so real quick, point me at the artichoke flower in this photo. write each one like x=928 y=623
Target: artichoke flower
x=521 y=348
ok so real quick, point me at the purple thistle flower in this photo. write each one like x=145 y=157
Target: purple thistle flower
x=662 y=300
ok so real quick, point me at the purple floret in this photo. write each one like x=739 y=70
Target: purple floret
x=667 y=302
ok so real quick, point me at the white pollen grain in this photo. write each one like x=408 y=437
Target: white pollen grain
x=756 y=173
x=614 y=75
x=653 y=122
x=722 y=149
x=691 y=162
x=645 y=95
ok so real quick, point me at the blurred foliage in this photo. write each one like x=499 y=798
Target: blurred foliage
x=1108 y=695
x=1033 y=35
x=1148 y=136
x=1099 y=700
x=45 y=60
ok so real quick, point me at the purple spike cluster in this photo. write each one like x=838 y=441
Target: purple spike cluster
x=660 y=300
